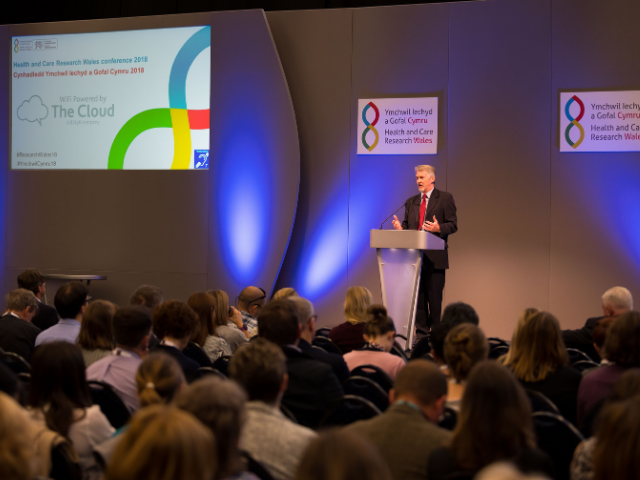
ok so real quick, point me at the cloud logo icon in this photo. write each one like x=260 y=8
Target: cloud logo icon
x=33 y=110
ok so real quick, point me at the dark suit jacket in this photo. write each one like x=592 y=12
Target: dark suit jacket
x=336 y=362
x=312 y=389
x=188 y=366
x=582 y=338
x=45 y=317
x=17 y=336
x=442 y=205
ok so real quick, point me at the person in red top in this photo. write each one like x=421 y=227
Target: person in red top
x=349 y=335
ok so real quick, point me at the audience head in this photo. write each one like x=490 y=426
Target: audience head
x=627 y=386
x=260 y=368
x=58 y=384
x=279 y=323
x=220 y=406
x=524 y=317
x=464 y=346
x=342 y=455
x=158 y=379
x=422 y=383
x=33 y=281
x=23 y=303
x=221 y=305
x=96 y=330
x=175 y=320
x=251 y=300
x=459 y=312
x=205 y=307
x=71 y=300
x=622 y=345
x=306 y=316
x=283 y=293
x=356 y=303
x=164 y=443
x=495 y=418
x=132 y=327
x=600 y=334
x=616 y=300
x=538 y=348
x=17 y=433
x=8 y=381
x=379 y=328
x=147 y=296
x=506 y=471
x=438 y=334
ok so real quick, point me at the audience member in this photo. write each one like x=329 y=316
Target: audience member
x=494 y=424
x=174 y=322
x=131 y=328
x=158 y=379
x=59 y=398
x=438 y=334
x=313 y=387
x=221 y=406
x=268 y=436
x=308 y=330
x=407 y=433
x=71 y=300
x=342 y=455
x=623 y=351
x=615 y=301
x=464 y=346
x=96 y=331
x=350 y=334
x=147 y=296
x=505 y=471
x=283 y=293
x=204 y=346
x=164 y=443
x=599 y=336
x=9 y=382
x=539 y=359
x=460 y=312
x=524 y=317
x=17 y=334
x=228 y=321
x=35 y=282
x=379 y=333
x=250 y=303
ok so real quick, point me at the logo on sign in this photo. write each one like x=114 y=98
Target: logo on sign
x=17 y=46
x=575 y=122
x=201 y=159
x=370 y=126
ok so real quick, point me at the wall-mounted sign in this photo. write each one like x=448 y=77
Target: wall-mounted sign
x=600 y=121
x=398 y=126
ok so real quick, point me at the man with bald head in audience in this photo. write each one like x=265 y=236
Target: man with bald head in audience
x=615 y=302
x=250 y=302
x=406 y=433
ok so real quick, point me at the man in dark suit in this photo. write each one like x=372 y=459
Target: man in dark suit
x=35 y=282
x=433 y=211
x=17 y=334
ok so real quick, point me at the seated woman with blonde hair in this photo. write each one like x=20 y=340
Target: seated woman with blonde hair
x=349 y=335
x=159 y=379
x=283 y=293
x=206 y=335
x=227 y=321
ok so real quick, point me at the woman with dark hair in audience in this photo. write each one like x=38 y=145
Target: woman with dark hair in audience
x=59 y=397
x=96 y=331
x=494 y=424
x=206 y=336
x=379 y=333
x=349 y=335
x=228 y=321
x=164 y=443
x=538 y=357
x=159 y=379
x=464 y=346
x=341 y=455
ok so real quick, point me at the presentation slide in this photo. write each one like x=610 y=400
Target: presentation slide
x=111 y=100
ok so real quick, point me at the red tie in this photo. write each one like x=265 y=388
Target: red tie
x=423 y=207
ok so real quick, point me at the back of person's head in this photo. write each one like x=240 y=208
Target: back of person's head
x=506 y=471
x=259 y=366
x=58 y=384
x=96 y=330
x=342 y=455
x=617 y=448
x=422 y=380
x=130 y=325
x=148 y=296
x=278 y=322
x=70 y=298
x=378 y=322
x=618 y=299
x=356 y=303
x=164 y=443
x=220 y=406
x=250 y=297
x=623 y=340
x=174 y=319
x=221 y=305
x=31 y=280
x=438 y=334
x=8 y=381
x=538 y=349
x=204 y=305
x=158 y=379
x=21 y=299
x=495 y=418
x=524 y=318
x=464 y=346
x=305 y=309
x=460 y=312
x=17 y=451
x=600 y=332
x=286 y=292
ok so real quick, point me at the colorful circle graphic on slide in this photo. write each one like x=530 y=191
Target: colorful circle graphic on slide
x=370 y=126
x=574 y=121
x=177 y=117
x=17 y=46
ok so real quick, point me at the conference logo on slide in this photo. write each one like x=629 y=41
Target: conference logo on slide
x=370 y=126
x=16 y=47
x=33 y=110
x=574 y=122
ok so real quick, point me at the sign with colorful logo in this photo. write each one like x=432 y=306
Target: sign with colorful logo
x=600 y=121
x=398 y=126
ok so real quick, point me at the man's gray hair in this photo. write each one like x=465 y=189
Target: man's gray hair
x=427 y=168
x=618 y=298
x=304 y=307
x=20 y=299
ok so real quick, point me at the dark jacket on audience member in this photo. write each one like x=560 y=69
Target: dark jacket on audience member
x=348 y=336
x=582 y=338
x=336 y=362
x=45 y=317
x=188 y=365
x=195 y=353
x=312 y=388
x=17 y=336
x=405 y=439
x=561 y=387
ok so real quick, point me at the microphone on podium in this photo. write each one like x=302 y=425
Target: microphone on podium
x=391 y=216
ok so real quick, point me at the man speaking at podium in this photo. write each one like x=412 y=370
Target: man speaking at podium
x=433 y=211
